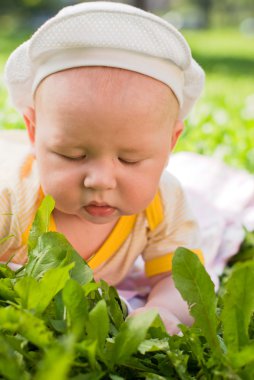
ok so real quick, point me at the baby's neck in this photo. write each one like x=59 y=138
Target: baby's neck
x=85 y=237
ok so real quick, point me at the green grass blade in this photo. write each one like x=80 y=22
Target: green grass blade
x=57 y=361
x=76 y=306
x=132 y=333
x=196 y=287
x=41 y=221
x=238 y=308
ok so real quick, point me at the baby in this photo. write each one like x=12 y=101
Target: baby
x=104 y=89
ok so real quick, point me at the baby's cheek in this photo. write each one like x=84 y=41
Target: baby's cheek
x=139 y=196
x=54 y=182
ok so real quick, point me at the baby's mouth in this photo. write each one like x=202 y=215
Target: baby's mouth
x=99 y=209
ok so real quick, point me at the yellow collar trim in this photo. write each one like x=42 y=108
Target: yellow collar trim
x=154 y=214
x=163 y=264
x=116 y=238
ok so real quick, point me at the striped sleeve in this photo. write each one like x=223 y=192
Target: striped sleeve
x=18 y=202
x=10 y=234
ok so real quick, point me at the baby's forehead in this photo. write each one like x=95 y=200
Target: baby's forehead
x=100 y=80
x=105 y=88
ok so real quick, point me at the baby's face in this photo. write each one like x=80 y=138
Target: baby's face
x=102 y=140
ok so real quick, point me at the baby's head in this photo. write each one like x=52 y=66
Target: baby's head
x=103 y=88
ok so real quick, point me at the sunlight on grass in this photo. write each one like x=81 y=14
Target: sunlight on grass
x=9 y=118
x=222 y=123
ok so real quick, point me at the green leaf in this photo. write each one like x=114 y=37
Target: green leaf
x=9 y=319
x=151 y=345
x=28 y=290
x=52 y=282
x=57 y=361
x=244 y=357
x=59 y=325
x=6 y=290
x=76 y=306
x=6 y=272
x=89 y=376
x=34 y=330
x=247 y=372
x=49 y=249
x=114 y=304
x=91 y=287
x=41 y=221
x=180 y=363
x=60 y=310
x=54 y=250
x=26 y=324
x=193 y=343
x=251 y=327
x=153 y=376
x=11 y=367
x=98 y=326
x=132 y=333
x=88 y=349
x=238 y=306
x=36 y=295
x=135 y=364
x=196 y=287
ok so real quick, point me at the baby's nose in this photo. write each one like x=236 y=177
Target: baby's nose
x=100 y=177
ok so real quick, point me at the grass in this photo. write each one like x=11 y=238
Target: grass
x=222 y=123
x=9 y=118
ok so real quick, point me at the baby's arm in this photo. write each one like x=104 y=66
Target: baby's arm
x=166 y=299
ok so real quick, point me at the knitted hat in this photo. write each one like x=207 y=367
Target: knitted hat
x=105 y=34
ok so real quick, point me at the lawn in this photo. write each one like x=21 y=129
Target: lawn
x=222 y=123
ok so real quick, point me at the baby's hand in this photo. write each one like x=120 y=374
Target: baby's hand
x=170 y=321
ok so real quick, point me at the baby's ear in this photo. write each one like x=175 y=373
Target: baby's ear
x=29 y=119
x=177 y=130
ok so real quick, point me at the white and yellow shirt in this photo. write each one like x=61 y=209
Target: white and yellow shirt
x=166 y=224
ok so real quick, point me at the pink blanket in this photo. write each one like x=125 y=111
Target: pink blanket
x=223 y=201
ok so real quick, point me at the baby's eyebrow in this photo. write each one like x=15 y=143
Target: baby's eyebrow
x=62 y=139
x=65 y=145
x=132 y=149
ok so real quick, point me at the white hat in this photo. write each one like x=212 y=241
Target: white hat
x=105 y=34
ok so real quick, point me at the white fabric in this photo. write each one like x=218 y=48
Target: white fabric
x=130 y=38
x=222 y=199
x=154 y=67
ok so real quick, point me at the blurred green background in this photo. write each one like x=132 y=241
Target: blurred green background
x=221 y=35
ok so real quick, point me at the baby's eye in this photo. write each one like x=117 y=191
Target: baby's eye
x=128 y=162
x=72 y=158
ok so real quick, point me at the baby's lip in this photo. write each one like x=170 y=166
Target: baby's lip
x=99 y=209
x=98 y=204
